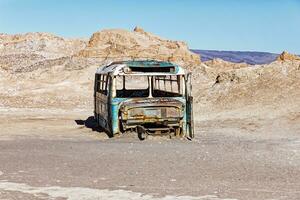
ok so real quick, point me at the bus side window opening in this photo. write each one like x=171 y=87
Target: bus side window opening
x=168 y=86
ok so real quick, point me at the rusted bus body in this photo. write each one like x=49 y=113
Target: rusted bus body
x=150 y=95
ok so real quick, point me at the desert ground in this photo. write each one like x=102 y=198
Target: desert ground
x=247 y=125
x=59 y=154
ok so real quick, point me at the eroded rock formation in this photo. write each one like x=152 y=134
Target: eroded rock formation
x=117 y=44
x=284 y=56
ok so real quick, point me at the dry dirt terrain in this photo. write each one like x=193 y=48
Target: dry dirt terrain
x=247 y=123
x=54 y=155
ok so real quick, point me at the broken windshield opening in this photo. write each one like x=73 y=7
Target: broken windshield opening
x=132 y=86
x=149 y=86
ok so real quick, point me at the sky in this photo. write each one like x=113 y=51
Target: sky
x=238 y=25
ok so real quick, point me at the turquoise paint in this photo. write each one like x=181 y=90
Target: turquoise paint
x=115 y=104
x=118 y=100
x=114 y=118
x=149 y=63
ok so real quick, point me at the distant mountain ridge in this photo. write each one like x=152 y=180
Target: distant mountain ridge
x=250 y=57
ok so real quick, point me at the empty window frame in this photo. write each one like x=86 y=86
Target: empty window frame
x=103 y=84
x=168 y=86
x=132 y=86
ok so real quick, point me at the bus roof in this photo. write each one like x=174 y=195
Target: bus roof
x=141 y=67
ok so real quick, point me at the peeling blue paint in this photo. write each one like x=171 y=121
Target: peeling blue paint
x=134 y=112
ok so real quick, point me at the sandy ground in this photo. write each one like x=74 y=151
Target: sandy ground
x=59 y=154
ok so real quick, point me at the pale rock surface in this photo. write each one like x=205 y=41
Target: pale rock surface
x=43 y=44
x=284 y=56
x=223 y=65
x=32 y=49
x=118 y=44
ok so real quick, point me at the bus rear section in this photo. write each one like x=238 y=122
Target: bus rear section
x=151 y=104
x=148 y=100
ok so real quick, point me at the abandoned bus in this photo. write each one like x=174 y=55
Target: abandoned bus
x=149 y=97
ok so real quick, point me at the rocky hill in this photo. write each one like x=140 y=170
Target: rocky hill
x=219 y=64
x=285 y=56
x=44 y=44
x=40 y=70
x=123 y=44
x=44 y=70
x=24 y=50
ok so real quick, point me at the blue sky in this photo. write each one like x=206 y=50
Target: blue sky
x=252 y=25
